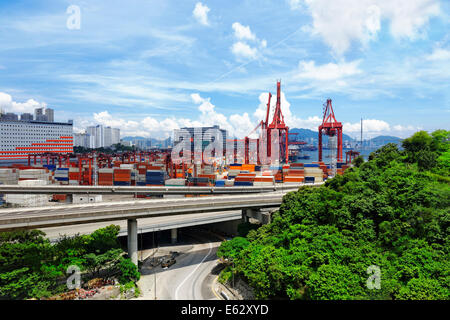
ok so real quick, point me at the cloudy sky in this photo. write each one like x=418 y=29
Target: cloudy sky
x=149 y=66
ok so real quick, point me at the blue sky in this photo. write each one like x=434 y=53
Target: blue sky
x=148 y=67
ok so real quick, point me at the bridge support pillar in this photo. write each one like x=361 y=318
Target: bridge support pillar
x=174 y=235
x=132 y=239
x=244 y=216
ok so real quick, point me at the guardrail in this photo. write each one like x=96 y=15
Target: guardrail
x=62 y=215
x=29 y=218
x=58 y=189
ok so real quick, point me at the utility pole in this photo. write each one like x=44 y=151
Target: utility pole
x=142 y=248
x=154 y=271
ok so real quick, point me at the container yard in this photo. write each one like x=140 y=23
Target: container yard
x=153 y=169
x=157 y=168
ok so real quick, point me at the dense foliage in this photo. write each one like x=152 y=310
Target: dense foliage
x=32 y=267
x=391 y=213
x=115 y=148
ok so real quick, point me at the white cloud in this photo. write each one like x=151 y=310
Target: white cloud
x=201 y=13
x=237 y=125
x=439 y=54
x=341 y=22
x=196 y=98
x=329 y=71
x=295 y=4
x=8 y=105
x=374 y=127
x=243 y=32
x=403 y=128
x=241 y=49
x=369 y=126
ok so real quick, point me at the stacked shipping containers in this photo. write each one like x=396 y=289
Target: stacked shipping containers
x=62 y=175
x=122 y=177
x=29 y=200
x=74 y=175
x=9 y=176
x=106 y=177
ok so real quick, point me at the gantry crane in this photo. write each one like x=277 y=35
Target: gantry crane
x=276 y=124
x=330 y=127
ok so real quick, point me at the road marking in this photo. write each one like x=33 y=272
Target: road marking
x=214 y=291
x=178 y=288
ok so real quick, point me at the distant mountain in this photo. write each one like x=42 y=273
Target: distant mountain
x=133 y=138
x=311 y=136
x=153 y=141
x=382 y=140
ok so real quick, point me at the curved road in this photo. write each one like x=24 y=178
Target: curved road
x=190 y=278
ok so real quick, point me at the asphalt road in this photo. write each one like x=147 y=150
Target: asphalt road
x=190 y=278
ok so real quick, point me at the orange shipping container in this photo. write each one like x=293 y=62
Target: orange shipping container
x=294 y=179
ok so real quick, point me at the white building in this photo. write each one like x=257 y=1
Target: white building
x=104 y=137
x=20 y=138
x=84 y=140
x=49 y=115
x=115 y=136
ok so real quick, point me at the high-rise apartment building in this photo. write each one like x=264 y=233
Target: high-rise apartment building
x=49 y=114
x=84 y=140
x=104 y=137
x=205 y=134
x=10 y=116
x=39 y=114
x=26 y=117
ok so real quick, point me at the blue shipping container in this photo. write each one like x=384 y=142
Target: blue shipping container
x=309 y=179
x=243 y=184
x=121 y=183
x=311 y=165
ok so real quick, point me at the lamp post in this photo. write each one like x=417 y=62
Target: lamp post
x=154 y=271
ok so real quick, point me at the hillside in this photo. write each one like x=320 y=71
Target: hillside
x=380 y=231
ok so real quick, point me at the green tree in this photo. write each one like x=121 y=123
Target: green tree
x=128 y=271
x=392 y=211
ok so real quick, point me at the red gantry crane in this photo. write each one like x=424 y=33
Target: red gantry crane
x=276 y=124
x=330 y=127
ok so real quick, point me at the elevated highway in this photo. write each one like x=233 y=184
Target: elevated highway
x=66 y=215
x=59 y=189
x=62 y=215
x=148 y=224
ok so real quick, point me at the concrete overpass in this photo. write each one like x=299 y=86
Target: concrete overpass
x=66 y=215
x=64 y=189
x=149 y=224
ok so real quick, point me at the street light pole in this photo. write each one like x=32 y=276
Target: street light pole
x=142 y=248
x=154 y=271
